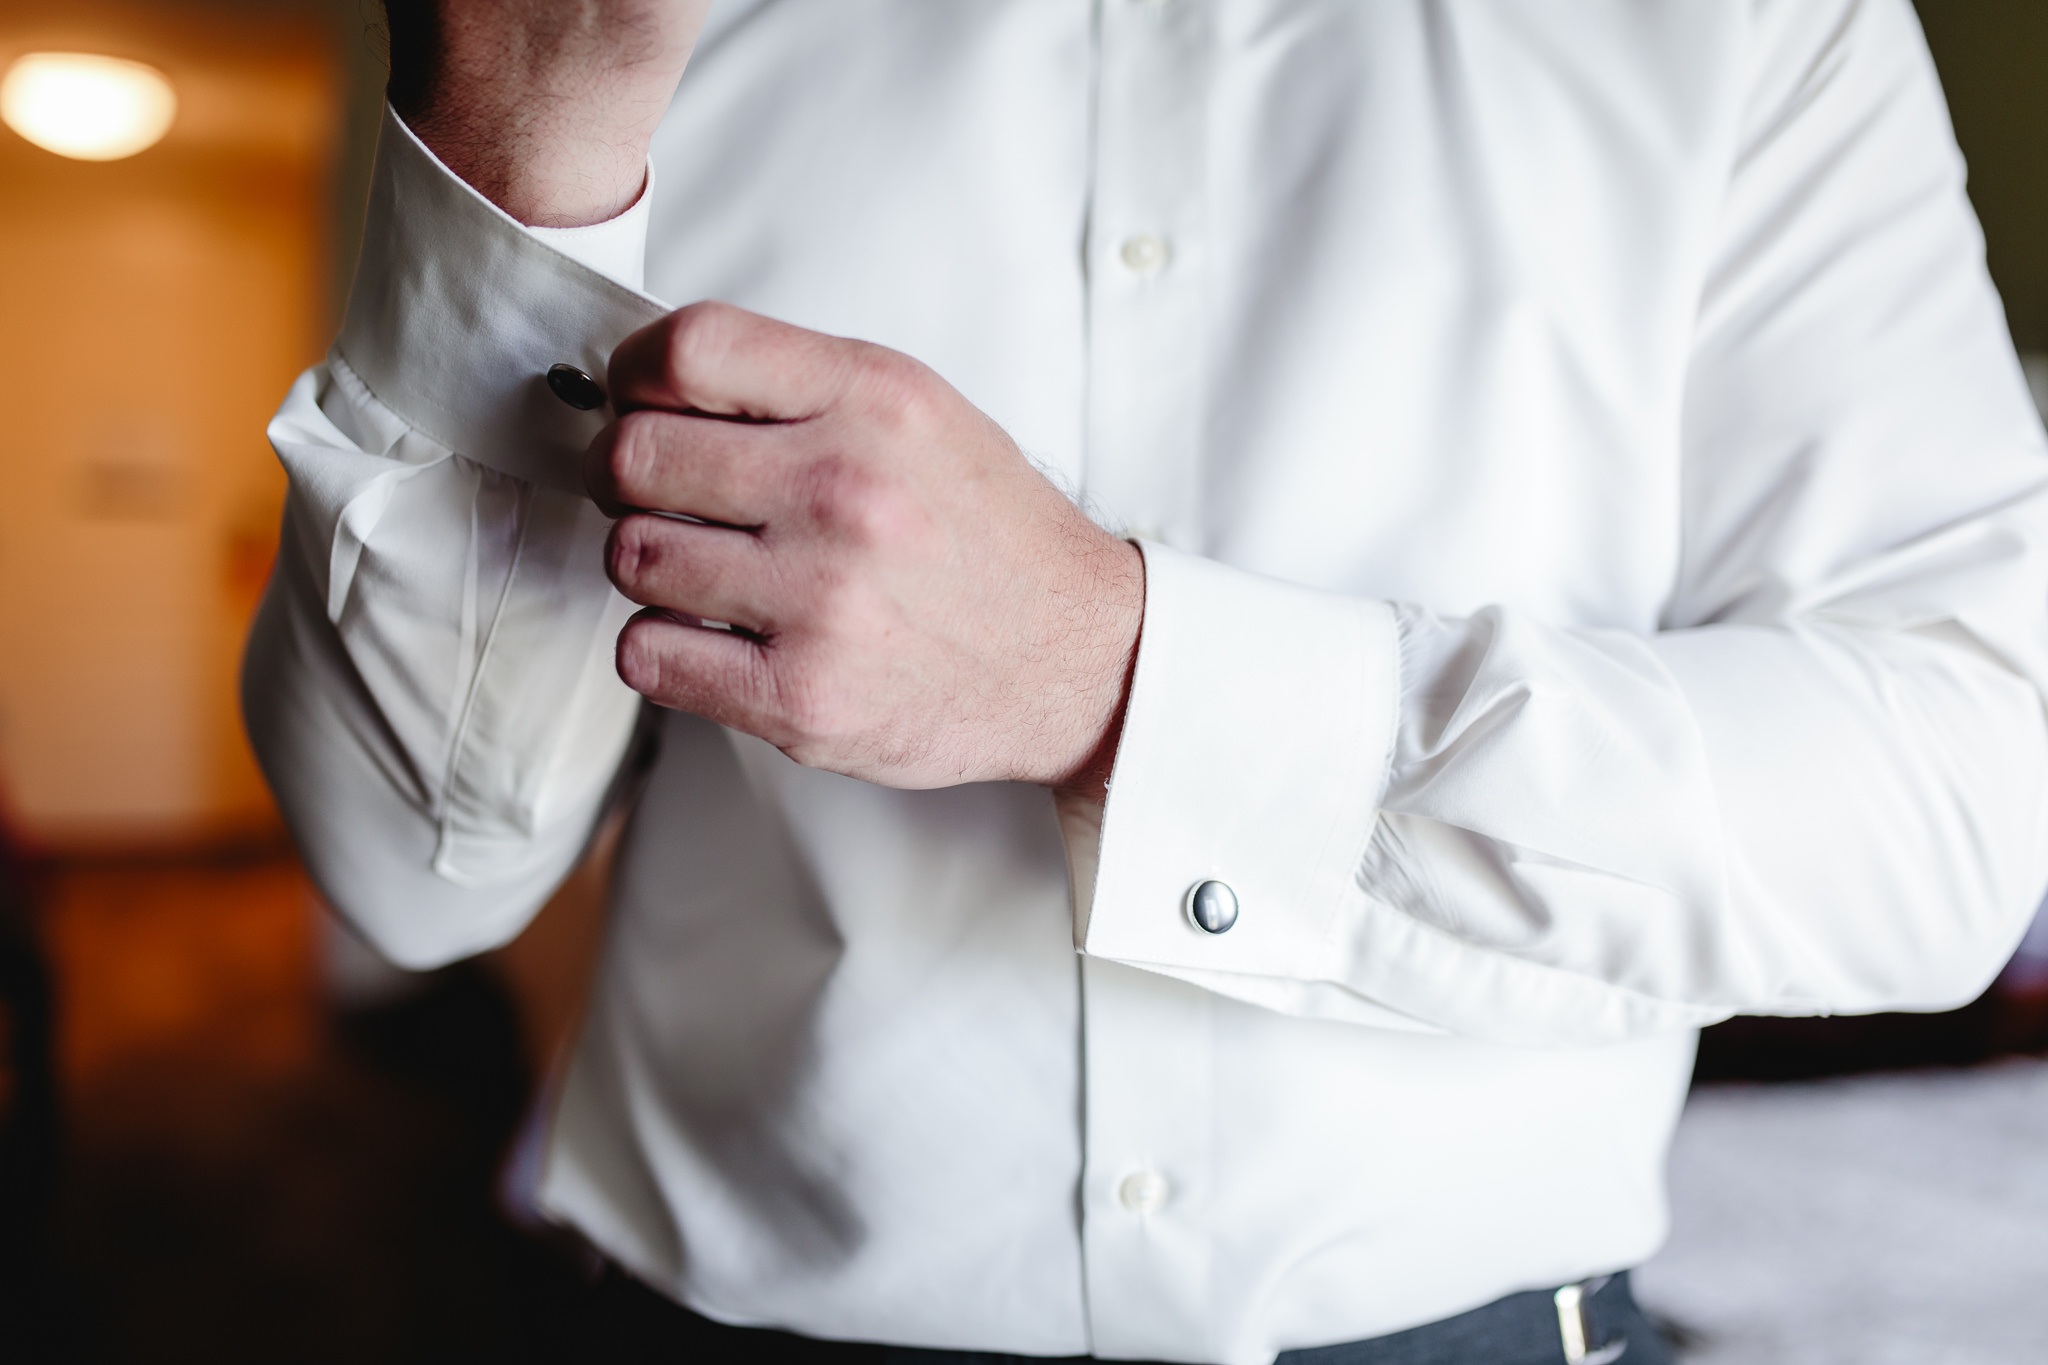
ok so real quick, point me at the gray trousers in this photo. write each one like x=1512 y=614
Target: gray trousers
x=633 y=1325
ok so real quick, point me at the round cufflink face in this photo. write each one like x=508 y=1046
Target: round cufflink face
x=575 y=388
x=1212 y=907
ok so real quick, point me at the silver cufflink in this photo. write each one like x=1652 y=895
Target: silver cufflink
x=1211 y=906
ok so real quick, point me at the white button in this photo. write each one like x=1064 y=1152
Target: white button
x=1145 y=254
x=1142 y=1191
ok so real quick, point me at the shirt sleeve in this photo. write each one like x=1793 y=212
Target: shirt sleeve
x=429 y=685
x=1819 y=786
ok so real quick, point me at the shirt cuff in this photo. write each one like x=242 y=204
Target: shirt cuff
x=1254 y=752
x=459 y=310
x=615 y=248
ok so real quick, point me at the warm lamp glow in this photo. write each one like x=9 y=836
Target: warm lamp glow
x=92 y=108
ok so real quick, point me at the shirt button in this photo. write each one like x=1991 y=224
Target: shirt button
x=1144 y=254
x=1212 y=907
x=1142 y=1191
x=575 y=388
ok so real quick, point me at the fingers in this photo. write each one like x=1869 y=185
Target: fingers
x=715 y=358
x=705 y=467
x=716 y=674
x=712 y=572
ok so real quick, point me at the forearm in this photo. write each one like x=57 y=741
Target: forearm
x=545 y=106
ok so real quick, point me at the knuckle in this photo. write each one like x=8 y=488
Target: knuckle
x=901 y=390
x=697 y=333
x=631 y=455
x=853 y=503
x=846 y=615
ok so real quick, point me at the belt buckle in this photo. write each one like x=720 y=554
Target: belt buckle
x=1574 y=1329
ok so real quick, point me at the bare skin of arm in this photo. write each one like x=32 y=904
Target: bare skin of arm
x=546 y=106
x=915 y=604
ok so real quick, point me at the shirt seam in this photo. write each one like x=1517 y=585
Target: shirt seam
x=345 y=369
x=458 y=745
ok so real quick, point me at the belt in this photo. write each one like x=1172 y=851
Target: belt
x=1594 y=1322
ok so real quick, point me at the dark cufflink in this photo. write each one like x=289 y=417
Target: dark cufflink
x=575 y=388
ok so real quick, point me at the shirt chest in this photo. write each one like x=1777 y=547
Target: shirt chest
x=1393 y=299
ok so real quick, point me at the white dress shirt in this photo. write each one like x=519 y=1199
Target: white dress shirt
x=1596 y=539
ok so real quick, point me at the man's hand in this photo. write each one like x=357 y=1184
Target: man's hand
x=913 y=604
x=545 y=106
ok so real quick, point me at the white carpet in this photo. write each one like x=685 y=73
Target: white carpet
x=1882 y=1220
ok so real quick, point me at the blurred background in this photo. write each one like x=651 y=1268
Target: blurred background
x=228 y=1132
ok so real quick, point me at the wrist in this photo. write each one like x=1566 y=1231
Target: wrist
x=545 y=108
x=1119 y=615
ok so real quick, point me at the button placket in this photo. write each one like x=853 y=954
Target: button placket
x=1150 y=1108
x=1146 y=1186
x=1145 y=282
